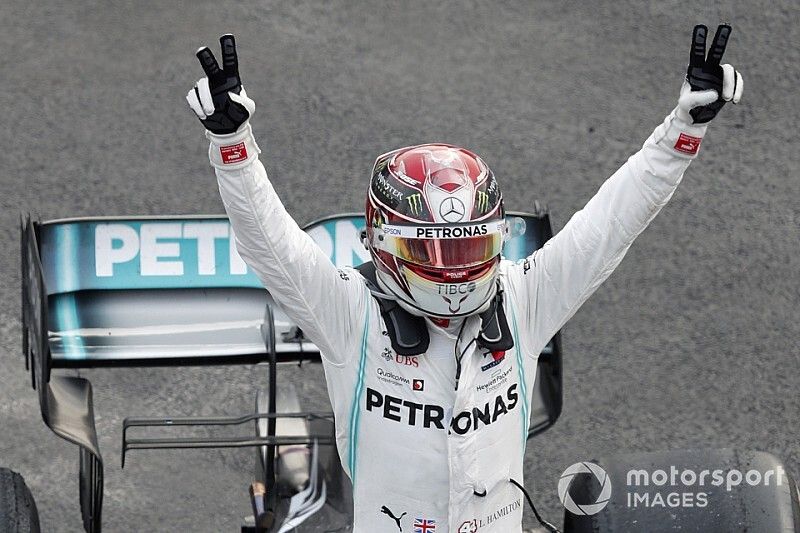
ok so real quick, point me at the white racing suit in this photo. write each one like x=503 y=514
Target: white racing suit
x=422 y=454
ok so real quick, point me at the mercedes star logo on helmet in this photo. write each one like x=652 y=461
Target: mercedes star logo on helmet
x=452 y=209
x=566 y=480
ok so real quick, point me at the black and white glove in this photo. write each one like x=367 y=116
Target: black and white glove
x=219 y=100
x=708 y=84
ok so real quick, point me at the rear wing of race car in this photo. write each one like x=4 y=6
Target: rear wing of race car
x=148 y=291
x=154 y=291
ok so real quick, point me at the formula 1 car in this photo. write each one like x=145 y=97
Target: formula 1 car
x=121 y=292
x=154 y=291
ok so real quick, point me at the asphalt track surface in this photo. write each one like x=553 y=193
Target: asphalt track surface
x=693 y=342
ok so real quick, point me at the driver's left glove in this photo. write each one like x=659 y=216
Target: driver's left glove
x=706 y=89
x=708 y=84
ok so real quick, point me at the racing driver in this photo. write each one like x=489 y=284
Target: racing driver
x=429 y=446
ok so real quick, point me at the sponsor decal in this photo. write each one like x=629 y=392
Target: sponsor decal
x=418 y=384
x=455 y=275
x=424 y=525
x=400 y=410
x=407 y=360
x=388 y=190
x=457 y=232
x=428 y=415
x=169 y=253
x=497 y=358
x=492 y=187
x=688 y=144
x=474 y=525
x=452 y=209
x=451 y=289
x=481 y=201
x=392 y=230
x=387 y=353
x=406 y=179
x=491 y=365
x=161 y=248
x=443 y=232
x=343 y=275
x=497 y=380
x=388 y=512
x=387 y=376
x=233 y=154
x=467 y=421
x=415 y=203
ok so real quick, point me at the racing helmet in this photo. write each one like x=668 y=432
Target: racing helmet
x=435 y=229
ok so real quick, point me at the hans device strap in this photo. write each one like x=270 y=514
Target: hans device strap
x=409 y=333
x=495 y=335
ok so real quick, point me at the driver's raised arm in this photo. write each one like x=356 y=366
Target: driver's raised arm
x=569 y=268
x=325 y=302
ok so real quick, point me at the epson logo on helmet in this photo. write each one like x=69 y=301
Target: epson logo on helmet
x=391 y=230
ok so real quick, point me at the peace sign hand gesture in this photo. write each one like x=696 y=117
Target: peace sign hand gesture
x=708 y=84
x=219 y=100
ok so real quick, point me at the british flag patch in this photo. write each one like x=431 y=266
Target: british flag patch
x=423 y=525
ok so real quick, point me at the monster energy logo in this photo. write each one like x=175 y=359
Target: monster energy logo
x=415 y=203
x=492 y=188
x=481 y=201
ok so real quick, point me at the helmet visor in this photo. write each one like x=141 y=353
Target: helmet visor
x=443 y=246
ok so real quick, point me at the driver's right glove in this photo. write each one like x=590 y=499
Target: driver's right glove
x=223 y=107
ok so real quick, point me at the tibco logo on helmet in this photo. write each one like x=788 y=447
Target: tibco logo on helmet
x=566 y=480
x=437 y=221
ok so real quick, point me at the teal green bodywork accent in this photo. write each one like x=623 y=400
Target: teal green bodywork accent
x=67 y=320
x=66 y=259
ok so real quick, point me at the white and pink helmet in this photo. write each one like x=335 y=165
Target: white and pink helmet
x=435 y=229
